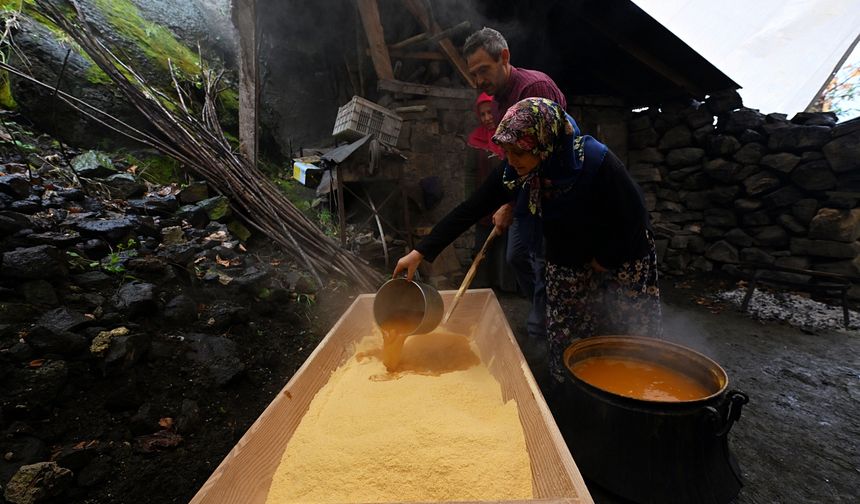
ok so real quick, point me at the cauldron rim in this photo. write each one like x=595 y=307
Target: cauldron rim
x=693 y=355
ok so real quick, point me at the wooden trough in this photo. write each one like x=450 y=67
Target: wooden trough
x=245 y=474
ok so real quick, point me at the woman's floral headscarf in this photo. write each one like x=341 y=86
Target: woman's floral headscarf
x=534 y=125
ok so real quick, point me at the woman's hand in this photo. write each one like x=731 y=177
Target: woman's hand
x=597 y=267
x=409 y=263
x=504 y=216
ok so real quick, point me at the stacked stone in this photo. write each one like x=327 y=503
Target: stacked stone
x=728 y=185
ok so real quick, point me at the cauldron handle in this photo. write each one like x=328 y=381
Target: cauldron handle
x=735 y=400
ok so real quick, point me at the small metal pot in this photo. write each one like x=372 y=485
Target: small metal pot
x=399 y=296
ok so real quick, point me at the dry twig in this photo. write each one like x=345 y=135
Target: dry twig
x=201 y=146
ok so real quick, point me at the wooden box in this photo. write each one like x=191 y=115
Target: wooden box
x=246 y=472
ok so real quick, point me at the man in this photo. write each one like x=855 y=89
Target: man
x=487 y=55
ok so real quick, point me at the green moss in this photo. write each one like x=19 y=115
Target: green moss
x=156 y=41
x=7 y=101
x=157 y=169
x=229 y=99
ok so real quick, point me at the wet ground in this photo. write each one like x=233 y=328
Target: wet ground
x=798 y=439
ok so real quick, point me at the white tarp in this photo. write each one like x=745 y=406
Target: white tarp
x=779 y=51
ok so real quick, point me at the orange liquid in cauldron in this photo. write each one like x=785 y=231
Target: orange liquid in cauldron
x=638 y=379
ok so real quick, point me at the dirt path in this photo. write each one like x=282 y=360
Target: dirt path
x=797 y=440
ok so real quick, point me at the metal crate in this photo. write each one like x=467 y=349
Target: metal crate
x=360 y=117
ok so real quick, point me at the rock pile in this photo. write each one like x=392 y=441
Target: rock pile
x=101 y=282
x=728 y=185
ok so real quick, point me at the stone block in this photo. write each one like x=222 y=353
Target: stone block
x=771 y=236
x=756 y=255
x=750 y=153
x=739 y=237
x=746 y=205
x=825 y=248
x=676 y=137
x=724 y=195
x=648 y=155
x=722 y=145
x=755 y=219
x=744 y=119
x=687 y=156
x=725 y=101
x=843 y=153
x=723 y=170
x=643 y=138
x=797 y=262
x=798 y=138
x=783 y=197
x=720 y=217
x=783 y=162
x=723 y=252
x=791 y=224
x=835 y=225
x=814 y=176
x=804 y=210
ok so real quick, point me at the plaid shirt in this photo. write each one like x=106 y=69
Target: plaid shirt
x=524 y=83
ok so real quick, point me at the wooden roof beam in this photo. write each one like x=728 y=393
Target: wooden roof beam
x=369 y=12
x=419 y=10
x=644 y=57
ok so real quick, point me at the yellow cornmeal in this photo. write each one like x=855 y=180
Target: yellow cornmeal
x=373 y=437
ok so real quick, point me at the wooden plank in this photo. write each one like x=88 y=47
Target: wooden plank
x=419 y=10
x=369 y=11
x=246 y=473
x=409 y=41
x=397 y=86
x=245 y=20
x=420 y=55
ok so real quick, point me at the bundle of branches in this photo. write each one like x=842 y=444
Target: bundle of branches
x=199 y=144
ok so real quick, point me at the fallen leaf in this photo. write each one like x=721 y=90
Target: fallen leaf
x=37 y=363
x=222 y=262
x=158 y=441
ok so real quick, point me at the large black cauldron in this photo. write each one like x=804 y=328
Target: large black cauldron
x=653 y=451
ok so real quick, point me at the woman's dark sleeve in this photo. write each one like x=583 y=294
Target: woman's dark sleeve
x=625 y=217
x=489 y=196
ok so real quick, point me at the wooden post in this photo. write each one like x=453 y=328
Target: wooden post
x=245 y=21
x=369 y=11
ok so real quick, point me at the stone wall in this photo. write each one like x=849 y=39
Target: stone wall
x=434 y=142
x=727 y=185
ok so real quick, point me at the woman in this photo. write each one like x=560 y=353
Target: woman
x=601 y=262
x=494 y=270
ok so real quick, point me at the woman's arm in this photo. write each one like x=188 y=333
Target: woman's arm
x=489 y=196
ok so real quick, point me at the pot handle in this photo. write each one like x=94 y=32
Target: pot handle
x=735 y=399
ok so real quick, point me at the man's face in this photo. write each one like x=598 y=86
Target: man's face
x=489 y=74
x=485 y=113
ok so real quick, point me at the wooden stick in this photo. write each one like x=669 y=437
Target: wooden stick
x=470 y=275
